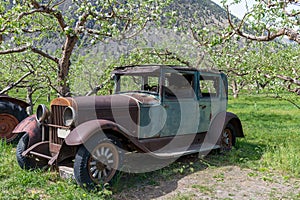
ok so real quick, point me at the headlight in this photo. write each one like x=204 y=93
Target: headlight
x=69 y=116
x=42 y=113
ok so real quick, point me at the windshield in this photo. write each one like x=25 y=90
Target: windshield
x=137 y=83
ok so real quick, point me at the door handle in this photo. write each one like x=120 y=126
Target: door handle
x=202 y=106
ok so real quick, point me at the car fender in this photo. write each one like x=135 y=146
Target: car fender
x=236 y=122
x=29 y=125
x=21 y=103
x=219 y=122
x=84 y=131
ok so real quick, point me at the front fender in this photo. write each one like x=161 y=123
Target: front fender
x=30 y=125
x=84 y=131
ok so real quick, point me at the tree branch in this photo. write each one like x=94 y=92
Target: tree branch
x=44 y=54
x=33 y=49
x=12 y=85
x=98 y=87
x=15 y=50
x=292 y=34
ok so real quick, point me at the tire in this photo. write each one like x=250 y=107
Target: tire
x=228 y=137
x=97 y=161
x=25 y=162
x=10 y=116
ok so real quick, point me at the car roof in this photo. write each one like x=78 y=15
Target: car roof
x=141 y=69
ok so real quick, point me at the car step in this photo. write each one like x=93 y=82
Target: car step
x=66 y=172
x=181 y=152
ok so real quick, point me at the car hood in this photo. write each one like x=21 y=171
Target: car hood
x=117 y=108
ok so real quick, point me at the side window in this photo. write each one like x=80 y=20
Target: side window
x=209 y=86
x=130 y=83
x=179 y=85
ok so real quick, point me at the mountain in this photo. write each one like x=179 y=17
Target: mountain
x=201 y=13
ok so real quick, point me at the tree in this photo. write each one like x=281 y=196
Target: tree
x=27 y=75
x=42 y=27
x=268 y=20
x=272 y=21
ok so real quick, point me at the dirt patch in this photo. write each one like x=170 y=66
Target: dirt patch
x=228 y=182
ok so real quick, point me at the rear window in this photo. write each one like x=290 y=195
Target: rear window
x=209 y=86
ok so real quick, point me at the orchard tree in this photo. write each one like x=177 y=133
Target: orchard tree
x=272 y=21
x=27 y=75
x=268 y=20
x=53 y=29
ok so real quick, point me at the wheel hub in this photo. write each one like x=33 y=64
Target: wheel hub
x=7 y=124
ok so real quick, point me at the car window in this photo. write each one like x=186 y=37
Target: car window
x=179 y=85
x=130 y=83
x=141 y=83
x=209 y=86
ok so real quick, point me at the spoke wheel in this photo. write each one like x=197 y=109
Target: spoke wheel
x=97 y=161
x=103 y=163
x=7 y=124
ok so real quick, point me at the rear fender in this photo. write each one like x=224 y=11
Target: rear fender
x=221 y=120
x=30 y=125
x=218 y=124
x=236 y=122
x=21 y=103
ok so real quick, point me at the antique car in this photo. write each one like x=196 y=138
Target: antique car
x=162 y=111
x=12 y=111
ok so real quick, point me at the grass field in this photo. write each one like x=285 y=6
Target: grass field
x=272 y=133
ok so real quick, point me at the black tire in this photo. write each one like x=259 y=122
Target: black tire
x=10 y=115
x=28 y=163
x=228 y=137
x=90 y=171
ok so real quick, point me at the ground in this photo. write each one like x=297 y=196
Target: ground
x=225 y=182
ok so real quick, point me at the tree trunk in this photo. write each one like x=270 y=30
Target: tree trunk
x=235 y=89
x=64 y=66
x=29 y=100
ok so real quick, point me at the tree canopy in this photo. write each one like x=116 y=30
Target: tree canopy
x=53 y=29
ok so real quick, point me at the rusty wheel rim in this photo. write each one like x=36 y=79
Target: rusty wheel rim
x=226 y=140
x=7 y=124
x=103 y=163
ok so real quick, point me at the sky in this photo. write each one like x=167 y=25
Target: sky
x=238 y=9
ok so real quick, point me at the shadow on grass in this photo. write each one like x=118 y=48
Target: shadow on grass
x=163 y=181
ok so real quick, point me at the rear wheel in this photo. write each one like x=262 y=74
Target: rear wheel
x=228 y=137
x=97 y=161
x=10 y=115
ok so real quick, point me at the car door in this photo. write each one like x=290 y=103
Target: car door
x=180 y=103
x=209 y=97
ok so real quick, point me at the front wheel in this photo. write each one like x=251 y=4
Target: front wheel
x=27 y=162
x=97 y=161
x=228 y=137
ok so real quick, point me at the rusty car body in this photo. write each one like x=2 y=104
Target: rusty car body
x=164 y=111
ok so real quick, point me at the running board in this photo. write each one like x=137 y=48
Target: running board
x=181 y=152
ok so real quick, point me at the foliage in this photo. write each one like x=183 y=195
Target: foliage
x=259 y=66
x=28 y=25
x=94 y=69
x=268 y=20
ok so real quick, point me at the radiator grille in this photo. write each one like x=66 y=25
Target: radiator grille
x=57 y=119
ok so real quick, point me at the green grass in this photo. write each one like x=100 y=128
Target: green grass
x=271 y=143
x=272 y=134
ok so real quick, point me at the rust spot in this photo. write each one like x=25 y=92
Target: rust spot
x=7 y=124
